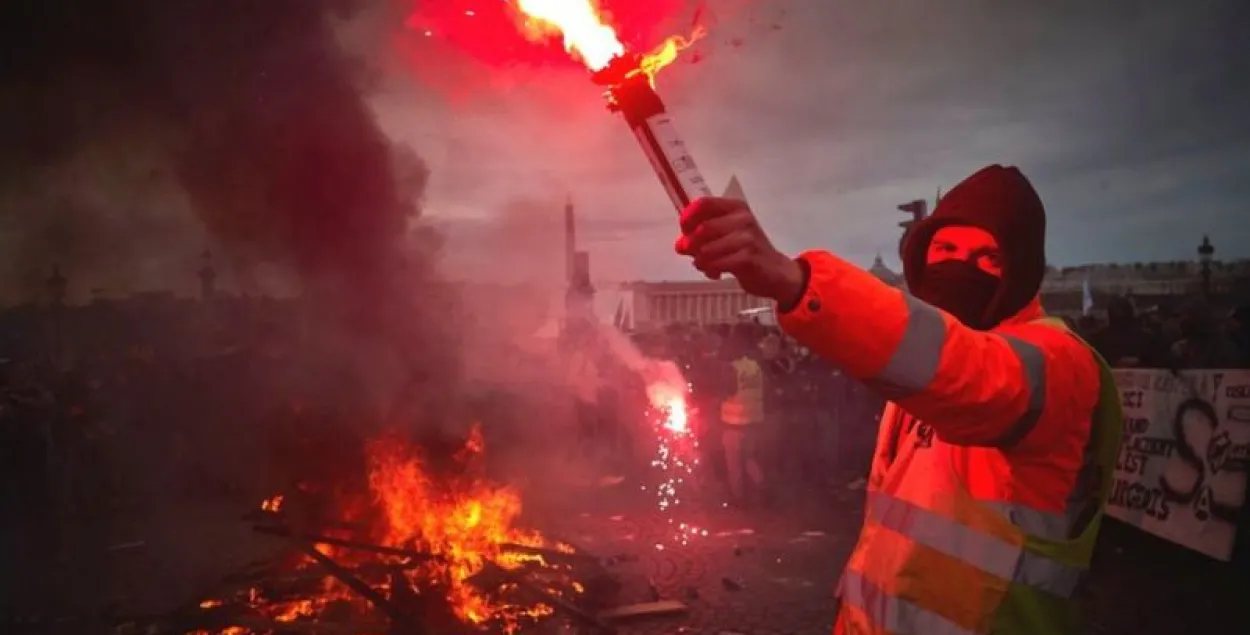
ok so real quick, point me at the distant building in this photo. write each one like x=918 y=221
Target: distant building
x=887 y=275
x=1148 y=284
x=659 y=304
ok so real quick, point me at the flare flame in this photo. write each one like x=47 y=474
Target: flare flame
x=590 y=38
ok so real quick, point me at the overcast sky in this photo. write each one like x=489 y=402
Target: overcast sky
x=1129 y=117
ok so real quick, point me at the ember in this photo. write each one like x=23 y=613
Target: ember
x=676 y=452
x=431 y=548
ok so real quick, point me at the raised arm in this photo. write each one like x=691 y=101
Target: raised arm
x=974 y=387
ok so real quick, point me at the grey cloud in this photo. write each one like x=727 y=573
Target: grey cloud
x=1127 y=115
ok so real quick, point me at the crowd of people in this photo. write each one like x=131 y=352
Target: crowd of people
x=106 y=406
x=100 y=407
x=772 y=420
x=1194 y=335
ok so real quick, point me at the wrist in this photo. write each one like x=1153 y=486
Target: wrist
x=792 y=285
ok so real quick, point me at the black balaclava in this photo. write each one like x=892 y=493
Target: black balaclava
x=1001 y=201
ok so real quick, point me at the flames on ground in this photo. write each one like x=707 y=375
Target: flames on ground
x=465 y=524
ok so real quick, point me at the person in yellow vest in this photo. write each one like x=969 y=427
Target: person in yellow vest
x=996 y=452
x=742 y=416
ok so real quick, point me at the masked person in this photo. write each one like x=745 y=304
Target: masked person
x=995 y=454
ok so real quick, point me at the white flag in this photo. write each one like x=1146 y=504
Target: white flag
x=1087 y=298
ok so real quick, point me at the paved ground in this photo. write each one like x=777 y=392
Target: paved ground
x=753 y=573
x=137 y=564
x=782 y=566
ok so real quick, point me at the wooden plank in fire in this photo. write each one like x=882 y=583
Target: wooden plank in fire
x=547 y=553
x=286 y=532
x=403 y=622
x=545 y=596
x=662 y=608
x=366 y=570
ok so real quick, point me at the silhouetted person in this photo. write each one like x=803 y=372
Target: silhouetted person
x=1205 y=344
x=1124 y=342
x=1239 y=332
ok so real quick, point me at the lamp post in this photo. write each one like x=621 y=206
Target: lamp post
x=208 y=276
x=918 y=209
x=57 y=287
x=1206 y=253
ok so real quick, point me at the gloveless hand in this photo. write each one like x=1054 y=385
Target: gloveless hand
x=723 y=236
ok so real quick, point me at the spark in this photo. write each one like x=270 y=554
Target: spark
x=676 y=454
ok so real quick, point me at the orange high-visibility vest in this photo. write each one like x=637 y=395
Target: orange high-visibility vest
x=932 y=559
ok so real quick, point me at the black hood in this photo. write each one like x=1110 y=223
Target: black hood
x=1001 y=201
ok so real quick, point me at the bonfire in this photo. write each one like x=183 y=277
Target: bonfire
x=424 y=550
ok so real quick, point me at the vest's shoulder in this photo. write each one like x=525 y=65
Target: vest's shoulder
x=1046 y=333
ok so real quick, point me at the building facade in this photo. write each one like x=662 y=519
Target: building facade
x=1147 y=284
x=704 y=302
x=659 y=304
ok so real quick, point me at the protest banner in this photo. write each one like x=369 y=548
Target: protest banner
x=1181 y=472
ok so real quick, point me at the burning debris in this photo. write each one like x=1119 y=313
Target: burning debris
x=424 y=550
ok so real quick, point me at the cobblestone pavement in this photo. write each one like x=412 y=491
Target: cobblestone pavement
x=744 y=576
x=757 y=572
x=765 y=572
x=782 y=565
x=139 y=563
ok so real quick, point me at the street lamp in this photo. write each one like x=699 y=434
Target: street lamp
x=918 y=209
x=1206 y=253
x=57 y=286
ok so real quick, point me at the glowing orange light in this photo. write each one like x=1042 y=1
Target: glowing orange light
x=460 y=518
x=585 y=33
x=589 y=37
x=670 y=399
x=667 y=52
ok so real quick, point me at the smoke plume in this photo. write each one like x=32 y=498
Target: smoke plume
x=135 y=129
x=136 y=133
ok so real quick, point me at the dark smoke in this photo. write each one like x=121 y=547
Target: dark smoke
x=248 y=111
x=137 y=132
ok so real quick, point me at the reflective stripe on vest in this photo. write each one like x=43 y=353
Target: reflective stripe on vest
x=924 y=531
x=892 y=614
x=983 y=551
x=915 y=362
